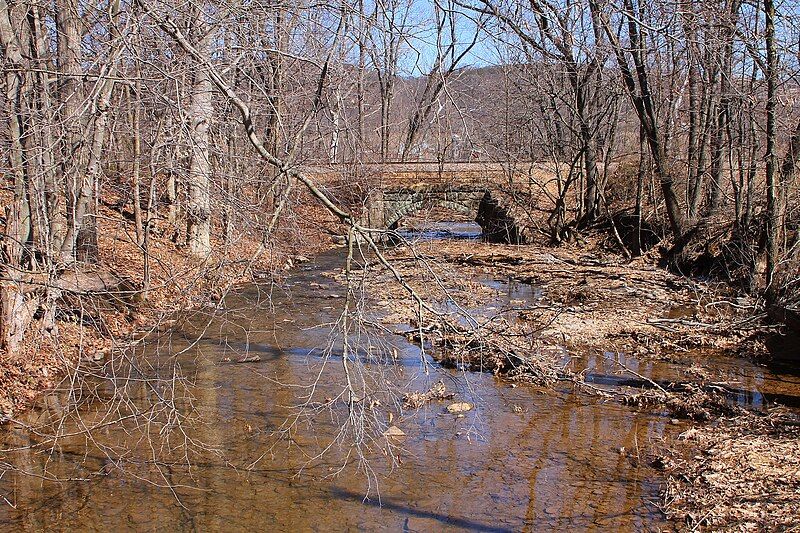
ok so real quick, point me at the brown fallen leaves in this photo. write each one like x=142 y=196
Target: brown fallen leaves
x=574 y=297
x=740 y=474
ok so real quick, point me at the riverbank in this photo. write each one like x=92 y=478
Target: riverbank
x=739 y=474
x=102 y=307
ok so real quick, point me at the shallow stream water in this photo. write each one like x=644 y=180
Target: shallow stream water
x=524 y=459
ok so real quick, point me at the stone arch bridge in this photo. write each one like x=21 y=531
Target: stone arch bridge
x=386 y=207
x=482 y=190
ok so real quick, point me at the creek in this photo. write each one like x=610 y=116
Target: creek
x=525 y=458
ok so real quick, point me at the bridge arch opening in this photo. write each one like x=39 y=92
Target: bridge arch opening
x=435 y=221
x=478 y=206
x=435 y=207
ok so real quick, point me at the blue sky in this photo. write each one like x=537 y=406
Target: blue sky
x=419 y=50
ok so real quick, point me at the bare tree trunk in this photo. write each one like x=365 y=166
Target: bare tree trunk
x=171 y=197
x=591 y=199
x=637 y=84
x=201 y=113
x=16 y=311
x=134 y=117
x=81 y=238
x=53 y=206
x=641 y=174
x=387 y=93
x=267 y=191
x=70 y=101
x=336 y=115
x=170 y=194
x=690 y=32
x=227 y=222
x=726 y=35
x=360 y=79
x=752 y=168
x=774 y=208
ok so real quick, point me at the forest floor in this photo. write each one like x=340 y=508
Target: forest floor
x=736 y=474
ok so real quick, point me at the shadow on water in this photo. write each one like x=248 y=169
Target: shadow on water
x=402 y=508
x=746 y=397
x=785 y=352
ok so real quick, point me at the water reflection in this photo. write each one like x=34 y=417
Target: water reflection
x=523 y=460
